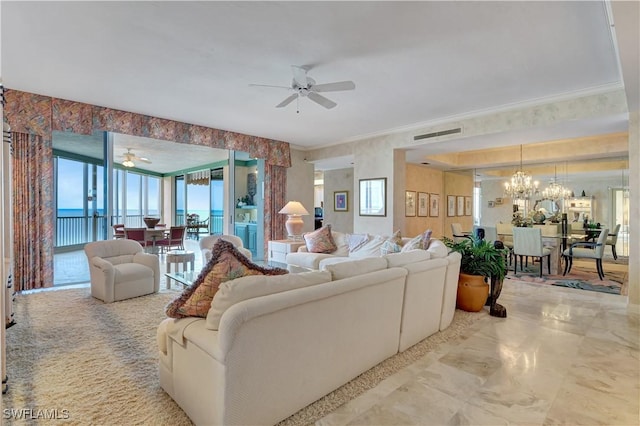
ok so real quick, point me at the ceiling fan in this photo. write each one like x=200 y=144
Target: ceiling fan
x=129 y=158
x=304 y=86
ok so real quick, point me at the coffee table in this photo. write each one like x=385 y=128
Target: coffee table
x=186 y=278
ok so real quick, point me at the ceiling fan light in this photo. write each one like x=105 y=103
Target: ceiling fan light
x=128 y=163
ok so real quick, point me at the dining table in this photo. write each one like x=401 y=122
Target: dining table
x=154 y=234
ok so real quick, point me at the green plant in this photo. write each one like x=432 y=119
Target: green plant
x=479 y=257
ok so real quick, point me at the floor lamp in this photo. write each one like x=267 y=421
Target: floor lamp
x=294 y=224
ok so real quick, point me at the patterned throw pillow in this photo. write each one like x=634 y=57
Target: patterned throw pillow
x=392 y=245
x=419 y=242
x=320 y=240
x=226 y=263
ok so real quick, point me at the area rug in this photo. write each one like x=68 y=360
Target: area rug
x=583 y=276
x=93 y=363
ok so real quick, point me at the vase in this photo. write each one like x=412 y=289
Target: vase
x=473 y=291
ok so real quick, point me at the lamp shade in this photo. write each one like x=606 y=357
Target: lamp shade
x=294 y=223
x=294 y=207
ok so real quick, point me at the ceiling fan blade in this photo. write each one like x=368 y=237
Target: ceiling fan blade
x=299 y=76
x=334 y=87
x=143 y=159
x=321 y=100
x=287 y=101
x=269 y=85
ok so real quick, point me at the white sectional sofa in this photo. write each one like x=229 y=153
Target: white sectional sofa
x=282 y=342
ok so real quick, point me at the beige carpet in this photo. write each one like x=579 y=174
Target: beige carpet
x=99 y=361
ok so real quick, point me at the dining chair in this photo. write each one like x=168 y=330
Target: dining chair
x=137 y=234
x=528 y=242
x=587 y=250
x=488 y=233
x=118 y=231
x=612 y=239
x=458 y=234
x=175 y=238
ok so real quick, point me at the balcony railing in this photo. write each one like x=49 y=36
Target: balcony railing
x=78 y=230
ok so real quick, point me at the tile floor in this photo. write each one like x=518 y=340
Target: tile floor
x=562 y=356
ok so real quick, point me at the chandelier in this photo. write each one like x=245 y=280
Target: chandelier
x=522 y=186
x=555 y=191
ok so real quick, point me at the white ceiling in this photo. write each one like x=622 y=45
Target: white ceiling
x=412 y=62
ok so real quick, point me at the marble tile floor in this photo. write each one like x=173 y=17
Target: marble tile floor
x=561 y=357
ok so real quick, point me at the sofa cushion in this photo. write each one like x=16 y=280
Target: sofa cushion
x=226 y=263
x=320 y=240
x=406 y=257
x=418 y=242
x=356 y=267
x=234 y=291
x=437 y=249
x=370 y=249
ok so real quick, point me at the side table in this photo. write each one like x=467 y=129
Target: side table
x=178 y=257
x=278 y=249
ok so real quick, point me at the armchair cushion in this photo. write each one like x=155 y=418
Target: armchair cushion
x=226 y=263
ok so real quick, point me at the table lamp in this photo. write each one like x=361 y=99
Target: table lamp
x=295 y=210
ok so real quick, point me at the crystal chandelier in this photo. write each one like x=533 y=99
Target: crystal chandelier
x=555 y=191
x=522 y=186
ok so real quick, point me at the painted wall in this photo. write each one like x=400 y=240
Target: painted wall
x=430 y=181
x=458 y=184
x=339 y=180
x=300 y=185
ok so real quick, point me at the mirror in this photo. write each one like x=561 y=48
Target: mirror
x=550 y=207
x=373 y=197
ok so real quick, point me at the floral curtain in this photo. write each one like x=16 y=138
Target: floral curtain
x=32 y=211
x=275 y=184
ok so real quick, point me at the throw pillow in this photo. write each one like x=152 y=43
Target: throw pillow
x=357 y=240
x=392 y=245
x=369 y=249
x=226 y=263
x=418 y=242
x=320 y=240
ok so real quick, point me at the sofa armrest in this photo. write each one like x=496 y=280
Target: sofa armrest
x=303 y=249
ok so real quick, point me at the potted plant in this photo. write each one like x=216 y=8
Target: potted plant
x=481 y=261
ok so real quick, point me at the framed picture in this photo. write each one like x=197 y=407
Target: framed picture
x=373 y=197
x=491 y=204
x=460 y=210
x=409 y=203
x=434 y=205
x=467 y=206
x=341 y=201
x=498 y=201
x=423 y=204
x=451 y=205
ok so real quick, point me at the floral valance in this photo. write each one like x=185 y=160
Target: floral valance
x=40 y=115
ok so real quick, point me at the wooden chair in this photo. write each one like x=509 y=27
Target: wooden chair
x=118 y=231
x=137 y=234
x=175 y=239
x=587 y=250
x=528 y=242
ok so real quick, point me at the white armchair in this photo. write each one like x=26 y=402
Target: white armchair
x=209 y=241
x=120 y=269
